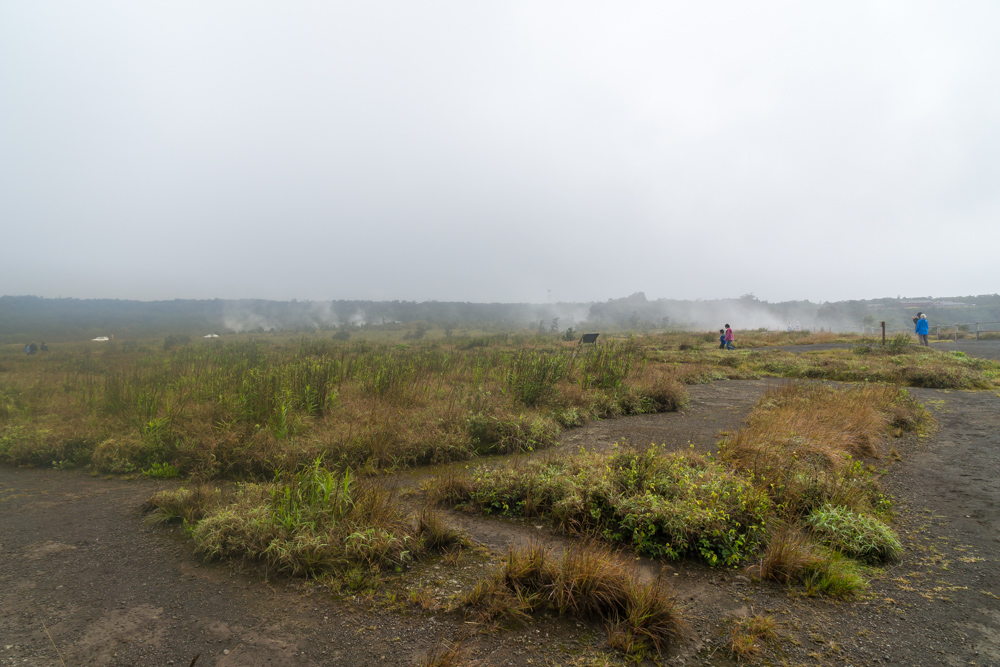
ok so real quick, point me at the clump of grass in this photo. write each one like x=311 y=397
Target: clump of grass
x=435 y=534
x=532 y=376
x=188 y=505
x=660 y=504
x=856 y=535
x=838 y=577
x=748 y=636
x=898 y=344
x=792 y=557
x=588 y=582
x=506 y=435
x=448 y=654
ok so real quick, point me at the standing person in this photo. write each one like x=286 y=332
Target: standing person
x=728 y=336
x=722 y=339
x=922 y=327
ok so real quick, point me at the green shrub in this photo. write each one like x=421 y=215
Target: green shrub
x=856 y=535
x=662 y=505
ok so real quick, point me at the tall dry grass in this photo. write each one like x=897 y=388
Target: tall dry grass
x=805 y=443
x=249 y=407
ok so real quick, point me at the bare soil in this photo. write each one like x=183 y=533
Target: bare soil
x=83 y=582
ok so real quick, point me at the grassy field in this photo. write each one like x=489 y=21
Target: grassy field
x=298 y=430
x=246 y=407
x=287 y=440
x=250 y=407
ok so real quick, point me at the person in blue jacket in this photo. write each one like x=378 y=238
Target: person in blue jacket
x=921 y=328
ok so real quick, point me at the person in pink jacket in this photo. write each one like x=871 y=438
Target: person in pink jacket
x=729 y=338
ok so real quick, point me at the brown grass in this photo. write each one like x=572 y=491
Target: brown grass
x=449 y=654
x=806 y=441
x=748 y=636
x=587 y=581
x=247 y=408
x=437 y=535
x=789 y=557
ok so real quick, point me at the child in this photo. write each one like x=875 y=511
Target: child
x=729 y=338
x=722 y=339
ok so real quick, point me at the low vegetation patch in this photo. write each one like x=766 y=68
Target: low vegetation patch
x=793 y=556
x=306 y=523
x=790 y=489
x=587 y=582
x=661 y=504
x=749 y=636
x=867 y=360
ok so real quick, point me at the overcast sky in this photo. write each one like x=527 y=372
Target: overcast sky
x=493 y=151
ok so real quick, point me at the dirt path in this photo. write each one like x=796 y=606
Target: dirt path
x=81 y=575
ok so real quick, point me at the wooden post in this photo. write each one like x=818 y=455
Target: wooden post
x=883 y=333
x=977 y=330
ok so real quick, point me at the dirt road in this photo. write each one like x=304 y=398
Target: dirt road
x=83 y=582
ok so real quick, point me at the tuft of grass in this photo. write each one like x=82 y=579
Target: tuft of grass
x=791 y=557
x=804 y=443
x=187 y=505
x=586 y=581
x=748 y=636
x=448 y=654
x=435 y=534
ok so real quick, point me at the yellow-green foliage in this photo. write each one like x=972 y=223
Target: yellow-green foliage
x=855 y=534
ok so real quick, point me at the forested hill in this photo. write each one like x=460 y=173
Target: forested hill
x=24 y=318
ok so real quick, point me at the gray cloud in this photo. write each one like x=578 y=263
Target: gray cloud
x=491 y=152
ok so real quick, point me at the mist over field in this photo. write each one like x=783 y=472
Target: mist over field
x=26 y=318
